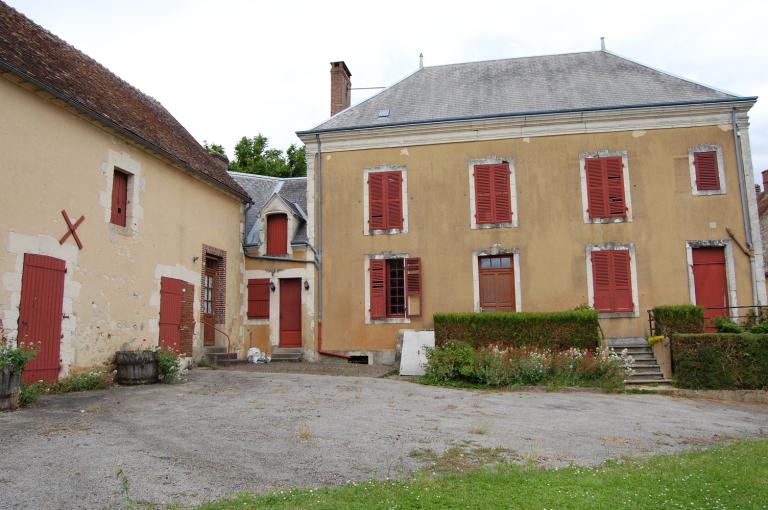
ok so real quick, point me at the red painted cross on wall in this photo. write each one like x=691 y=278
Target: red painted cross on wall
x=72 y=229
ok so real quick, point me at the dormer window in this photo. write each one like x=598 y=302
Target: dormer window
x=277 y=234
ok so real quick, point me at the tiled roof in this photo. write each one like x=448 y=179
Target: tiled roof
x=261 y=188
x=35 y=55
x=518 y=86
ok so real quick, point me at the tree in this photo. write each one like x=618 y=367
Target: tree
x=253 y=156
x=214 y=148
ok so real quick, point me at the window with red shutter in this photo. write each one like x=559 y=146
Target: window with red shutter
x=413 y=286
x=605 y=187
x=377 y=273
x=493 y=202
x=119 y=198
x=612 y=281
x=707 y=172
x=277 y=234
x=385 y=200
x=395 y=288
x=258 y=298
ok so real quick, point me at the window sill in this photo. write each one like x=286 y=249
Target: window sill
x=262 y=321
x=390 y=231
x=709 y=192
x=390 y=320
x=123 y=231
x=617 y=315
x=482 y=226
x=623 y=219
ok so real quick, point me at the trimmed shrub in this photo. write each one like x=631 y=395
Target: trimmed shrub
x=721 y=361
x=678 y=319
x=554 y=330
x=726 y=325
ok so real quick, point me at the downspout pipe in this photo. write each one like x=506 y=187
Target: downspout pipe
x=744 y=208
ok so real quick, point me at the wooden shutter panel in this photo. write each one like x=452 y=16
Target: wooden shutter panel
x=596 y=206
x=622 y=281
x=394 y=198
x=502 y=203
x=277 y=234
x=601 y=278
x=119 y=198
x=258 y=298
x=484 y=194
x=377 y=270
x=707 y=175
x=614 y=170
x=376 y=205
x=413 y=286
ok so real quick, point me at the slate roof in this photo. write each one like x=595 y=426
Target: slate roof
x=261 y=188
x=32 y=53
x=519 y=86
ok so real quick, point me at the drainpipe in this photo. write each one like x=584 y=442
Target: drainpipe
x=319 y=253
x=744 y=209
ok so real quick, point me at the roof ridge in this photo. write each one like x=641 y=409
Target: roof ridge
x=491 y=60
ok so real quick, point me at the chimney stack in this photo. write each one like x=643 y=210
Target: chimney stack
x=765 y=180
x=341 y=87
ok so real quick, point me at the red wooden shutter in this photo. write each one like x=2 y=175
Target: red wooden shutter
x=394 y=200
x=601 y=277
x=277 y=234
x=502 y=204
x=376 y=201
x=377 y=270
x=171 y=294
x=484 y=194
x=707 y=175
x=596 y=206
x=119 y=198
x=614 y=170
x=612 y=280
x=413 y=286
x=258 y=298
x=622 y=281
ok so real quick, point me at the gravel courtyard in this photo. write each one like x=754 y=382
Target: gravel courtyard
x=227 y=431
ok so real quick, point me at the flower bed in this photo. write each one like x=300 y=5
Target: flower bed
x=496 y=366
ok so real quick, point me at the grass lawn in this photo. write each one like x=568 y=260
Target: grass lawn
x=733 y=476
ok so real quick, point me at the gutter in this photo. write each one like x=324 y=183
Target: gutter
x=123 y=131
x=737 y=100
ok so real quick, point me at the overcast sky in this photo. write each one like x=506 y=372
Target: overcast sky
x=231 y=68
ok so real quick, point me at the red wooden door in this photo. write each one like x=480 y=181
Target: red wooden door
x=497 y=284
x=290 y=312
x=710 y=282
x=42 y=296
x=209 y=305
x=171 y=294
x=119 y=198
x=277 y=234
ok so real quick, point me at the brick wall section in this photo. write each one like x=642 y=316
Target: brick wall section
x=187 y=326
x=219 y=300
x=341 y=85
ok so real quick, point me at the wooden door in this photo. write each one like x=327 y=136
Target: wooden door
x=42 y=297
x=710 y=282
x=209 y=306
x=277 y=234
x=171 y=294
x=497 y=284
x=290 y=312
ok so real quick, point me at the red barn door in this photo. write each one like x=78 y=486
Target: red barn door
x=171 y=294
x=42 y=297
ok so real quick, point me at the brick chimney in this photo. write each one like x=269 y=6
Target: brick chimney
x=341 y=87
x=765 y=180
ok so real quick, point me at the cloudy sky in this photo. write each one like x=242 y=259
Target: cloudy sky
x=231 y=68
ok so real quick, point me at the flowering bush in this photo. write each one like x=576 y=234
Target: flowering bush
x=168 y=365
x=504 y=366
x=15 y=356
x=93 y=380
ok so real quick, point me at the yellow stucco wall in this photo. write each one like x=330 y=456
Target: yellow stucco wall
x=50 y=159
x=551 y=237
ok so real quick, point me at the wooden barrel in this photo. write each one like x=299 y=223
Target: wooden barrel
x=136 y=367
x=9 y=389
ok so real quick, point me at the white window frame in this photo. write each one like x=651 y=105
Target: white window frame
x=633 y=276
x=492 y=160
x=404 y=200
x=730 y=269
x=490 y=252
x=718 y=149
x=624 y=155
x=367 y=281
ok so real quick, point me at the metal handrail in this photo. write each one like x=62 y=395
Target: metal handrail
x=229 y=341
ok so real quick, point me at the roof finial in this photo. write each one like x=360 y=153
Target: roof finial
x=421 y=61
x=602 y=44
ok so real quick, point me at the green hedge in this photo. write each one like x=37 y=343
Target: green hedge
x=555 y=330
x=678 y=319
x=721 y=361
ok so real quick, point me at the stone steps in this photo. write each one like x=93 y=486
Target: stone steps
x=287 y=354
x=646 y=369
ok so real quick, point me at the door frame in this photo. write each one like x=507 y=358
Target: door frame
x=515 y=254
x=730 y=271
x=212 y=273
x=299 y=282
